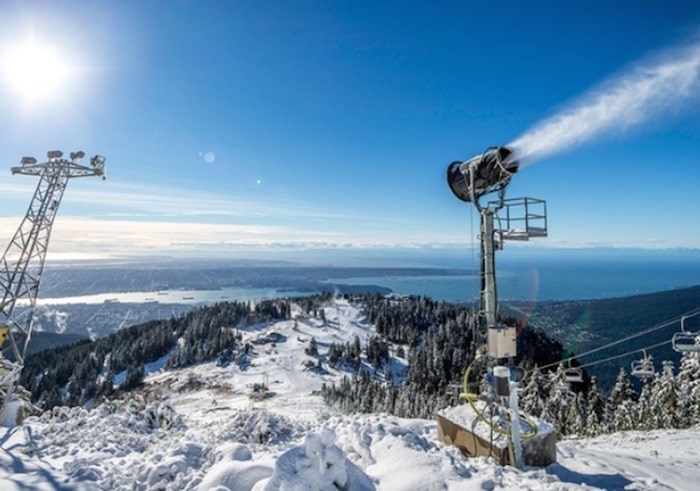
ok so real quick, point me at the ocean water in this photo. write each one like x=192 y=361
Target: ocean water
x=538 y=279
x=187 y=297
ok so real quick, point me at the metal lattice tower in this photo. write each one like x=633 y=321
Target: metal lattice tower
x=23 y=261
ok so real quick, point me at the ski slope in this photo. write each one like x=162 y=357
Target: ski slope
x=200 y=429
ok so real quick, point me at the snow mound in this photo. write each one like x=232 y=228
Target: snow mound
x=235 y=476
x=417 y=460
x=318 y=465
x=170 y=471
x=236 y=471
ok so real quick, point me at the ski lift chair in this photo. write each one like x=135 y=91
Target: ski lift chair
x=686 y=341
x=573 y=375
x=643 y=368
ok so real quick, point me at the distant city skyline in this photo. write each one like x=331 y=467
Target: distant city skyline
x=242 y=128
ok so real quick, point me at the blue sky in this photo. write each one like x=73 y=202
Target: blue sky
x=232 y=127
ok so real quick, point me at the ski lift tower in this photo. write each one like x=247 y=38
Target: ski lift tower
x=23 y=261
x=501 y=219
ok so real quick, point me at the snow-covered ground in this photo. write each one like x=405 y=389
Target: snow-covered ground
x=200 y=429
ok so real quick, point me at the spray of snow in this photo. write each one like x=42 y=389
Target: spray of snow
x=646 y=90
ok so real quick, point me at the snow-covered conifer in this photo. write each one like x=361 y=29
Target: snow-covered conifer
x=619 y=410
x=664 y=398
x=644 y=417
x=574 y=419
x=559 y=397
x=594 y=410
x=534 y=395
x=689 y=389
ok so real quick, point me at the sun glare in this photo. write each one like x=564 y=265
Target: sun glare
x=34 y=71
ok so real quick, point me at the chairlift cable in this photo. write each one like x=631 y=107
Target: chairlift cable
x=615 y=357
x=675 y=320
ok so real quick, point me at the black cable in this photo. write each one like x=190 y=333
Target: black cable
x=615 y=357
x=625 y=339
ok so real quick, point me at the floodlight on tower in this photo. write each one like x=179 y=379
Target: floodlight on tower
x=54 y=155
x=75 y=157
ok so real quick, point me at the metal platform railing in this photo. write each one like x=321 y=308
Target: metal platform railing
x=521 y=219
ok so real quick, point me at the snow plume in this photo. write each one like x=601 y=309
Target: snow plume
x=646 y=90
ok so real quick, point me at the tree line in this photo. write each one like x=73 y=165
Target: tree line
x=435 y=338
x=86 y=371
x=439 y=339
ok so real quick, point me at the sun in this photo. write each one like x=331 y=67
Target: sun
x=34 y=71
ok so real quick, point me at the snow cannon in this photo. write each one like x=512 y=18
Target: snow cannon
x=486 y=173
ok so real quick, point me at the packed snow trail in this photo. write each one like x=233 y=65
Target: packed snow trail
x=654 y=461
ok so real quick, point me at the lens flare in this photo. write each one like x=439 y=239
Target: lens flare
x=33 y=70
x=580 y=331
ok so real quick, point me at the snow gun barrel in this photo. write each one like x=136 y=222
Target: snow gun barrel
x=485 y=173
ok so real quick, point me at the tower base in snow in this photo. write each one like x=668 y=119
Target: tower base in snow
x=462 y=427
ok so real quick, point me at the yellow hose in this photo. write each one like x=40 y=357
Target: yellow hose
x=470 y=397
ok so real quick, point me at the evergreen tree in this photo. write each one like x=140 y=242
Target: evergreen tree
x=645 y=419
x=355 y=348
x=74 y=392
x=389 y=403
x=619 y=410
x=689 y=389
x=134 y=377
x=664 y=398
x=593 y=426
x=560 y=396
x=389 y=375
x=575 y=422
x=534 y=395
x=595 y=409
x=334 y=353
x=50 y=398
x=312 y=350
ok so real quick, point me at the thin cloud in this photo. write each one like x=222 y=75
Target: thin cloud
x=96 y=237
x=129 y=198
